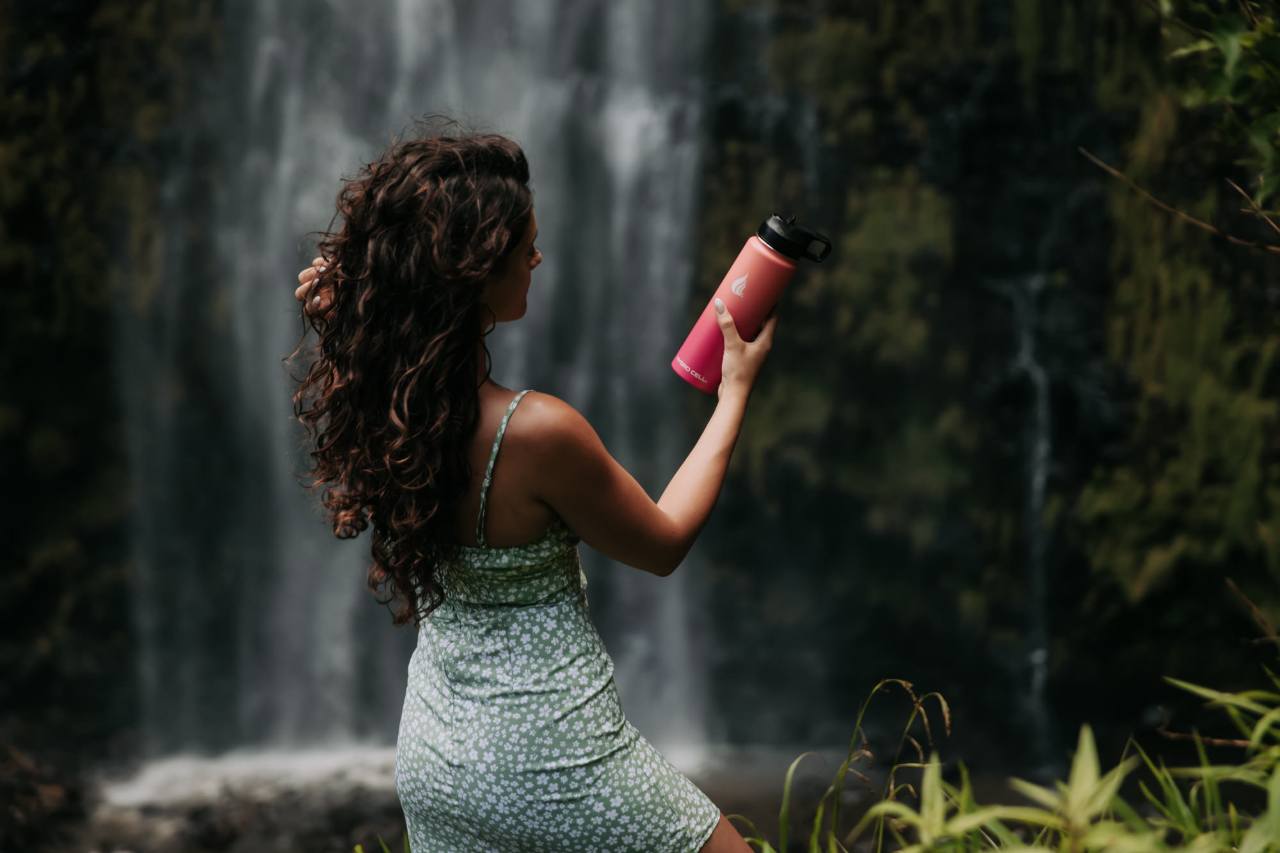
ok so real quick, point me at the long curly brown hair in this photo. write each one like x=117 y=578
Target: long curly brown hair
x=393 y=389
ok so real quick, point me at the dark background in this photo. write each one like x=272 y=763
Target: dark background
x=880 y=519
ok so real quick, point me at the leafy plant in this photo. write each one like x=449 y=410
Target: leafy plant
x=1084 y=813
x=1229 y=57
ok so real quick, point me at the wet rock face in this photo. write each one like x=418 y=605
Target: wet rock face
x=331 y=800
x=242 y=803
x=38 y=799
x=303 y=822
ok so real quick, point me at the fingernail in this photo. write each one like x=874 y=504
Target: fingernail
x=719 y=303
x=321 y=269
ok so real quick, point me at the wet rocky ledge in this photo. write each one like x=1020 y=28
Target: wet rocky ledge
x=331 y=800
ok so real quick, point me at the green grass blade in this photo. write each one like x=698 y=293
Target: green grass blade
x=1218 y=697
x=815 y=836
x=746 y=821
x=1006 y=836
x=1023 y=814
x=884 y=807
x=1263 y=727
x=1131 y=818
x=933 y=808
x=1104 y=794
x=1271 y=675
x=785 y=811
x=1036 y=793
x=1212 y=795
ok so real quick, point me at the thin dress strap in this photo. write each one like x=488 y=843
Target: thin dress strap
x=488 y=473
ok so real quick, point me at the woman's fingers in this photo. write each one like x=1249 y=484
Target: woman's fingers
x=771 y=319
x=307 y=277
x=320 y=301
x=766 y=330
x=308 y=273
x=314 y=303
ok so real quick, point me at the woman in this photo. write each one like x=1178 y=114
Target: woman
x=511 y=737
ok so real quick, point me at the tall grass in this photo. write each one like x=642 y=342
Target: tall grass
x=1182 y=808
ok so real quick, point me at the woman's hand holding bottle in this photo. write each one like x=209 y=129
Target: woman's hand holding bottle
x=742 y=359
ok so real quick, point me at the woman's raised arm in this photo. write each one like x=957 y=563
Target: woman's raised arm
x=600 y=500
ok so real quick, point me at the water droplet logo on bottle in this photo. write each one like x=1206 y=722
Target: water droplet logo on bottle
x=739 y=285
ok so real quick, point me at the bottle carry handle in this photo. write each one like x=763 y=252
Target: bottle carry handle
x=783 y=235
x=823 y=244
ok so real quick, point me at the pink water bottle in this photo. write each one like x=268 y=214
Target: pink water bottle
x=750 y=289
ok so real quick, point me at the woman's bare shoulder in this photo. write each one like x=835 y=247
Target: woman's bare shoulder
x=572 y=472
x=548 y=421
x=557 y=445
x=558 y=442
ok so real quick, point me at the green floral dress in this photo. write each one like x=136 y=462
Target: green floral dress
x=512 y=737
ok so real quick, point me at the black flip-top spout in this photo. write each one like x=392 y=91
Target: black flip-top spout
x=795 y=241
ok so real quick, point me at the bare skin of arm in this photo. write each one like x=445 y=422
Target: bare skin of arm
x=602 y=502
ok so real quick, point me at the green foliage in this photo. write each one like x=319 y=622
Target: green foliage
x=879 y=297
x=1196 y=485
x=1228 y=58
x=1187 y=809
x=898 y=232
x=1086 y=796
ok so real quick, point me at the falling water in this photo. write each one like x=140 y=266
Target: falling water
x=258 y=630
x=1026 y=303
x=1033 y=348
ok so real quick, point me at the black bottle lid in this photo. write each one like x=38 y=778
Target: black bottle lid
x=794 y=241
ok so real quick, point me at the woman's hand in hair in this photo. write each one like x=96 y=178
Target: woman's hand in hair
x=319 y=301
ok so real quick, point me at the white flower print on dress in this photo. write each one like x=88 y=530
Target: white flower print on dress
x=512 y=737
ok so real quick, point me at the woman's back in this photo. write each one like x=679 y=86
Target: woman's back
x=514 y=516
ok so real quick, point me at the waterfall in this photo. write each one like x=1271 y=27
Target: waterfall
x=1027 y=364
x=1026 y=303
x=254 y=623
